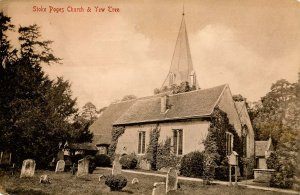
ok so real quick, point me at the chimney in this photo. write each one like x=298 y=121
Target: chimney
x=164 y=103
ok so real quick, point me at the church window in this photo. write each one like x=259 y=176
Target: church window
x=244 y=140
x=229 y=143
x=171 y=78
x=178 y=141
x=193 y=78
x=141 y=143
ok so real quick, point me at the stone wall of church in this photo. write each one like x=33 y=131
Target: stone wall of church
x=194 y=132
x=226 y=104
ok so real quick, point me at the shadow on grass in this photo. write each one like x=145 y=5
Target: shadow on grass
x=23 y=191
x=127 y=191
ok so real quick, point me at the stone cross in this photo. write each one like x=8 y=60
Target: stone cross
x=83 y=167
x=172 y=180
x=60 y=166
x=159 y=188
x=117 y=167
x=28 y=168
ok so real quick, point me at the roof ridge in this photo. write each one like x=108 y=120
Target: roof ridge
x=193 y=91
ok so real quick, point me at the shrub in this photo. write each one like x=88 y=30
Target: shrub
x=272 y=161
x=128 y=161
x=192 y=164
x=116 y=182
x=280 y=181
x=164 y=157
x=102 y=160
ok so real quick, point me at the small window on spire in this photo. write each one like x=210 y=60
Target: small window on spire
x=171 y=78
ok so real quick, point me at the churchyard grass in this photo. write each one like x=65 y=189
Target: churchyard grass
x=66 y=183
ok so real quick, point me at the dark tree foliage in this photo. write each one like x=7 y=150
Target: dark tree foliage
x=271 y=114
x=35 y=112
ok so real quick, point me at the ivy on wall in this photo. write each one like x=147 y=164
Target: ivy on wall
x=151 y=154
x=215 y=157
x=116 y=133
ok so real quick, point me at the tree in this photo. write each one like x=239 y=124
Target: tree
x=35 y=112
x=270 y=116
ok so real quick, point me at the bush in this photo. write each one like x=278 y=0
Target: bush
x=192 y=164
x=102 y=160
x=278 y=180
x=272 y=161
x=116 y=182
x=128 y=161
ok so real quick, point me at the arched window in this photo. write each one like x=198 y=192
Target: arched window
x=172 y=78
x=245 y=140
x=193 y=78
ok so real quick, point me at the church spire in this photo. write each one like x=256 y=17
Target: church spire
x=181 y=69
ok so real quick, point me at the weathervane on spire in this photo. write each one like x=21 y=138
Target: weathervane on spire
x=183 y=8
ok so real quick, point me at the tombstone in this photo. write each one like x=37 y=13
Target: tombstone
x=101 y=178
x=28 y=168
x=44 y=179
x=83 y=167
x=117 y=167
x=145 y=165
x=5 y=158
x=134 y=181
x=60 y=166
x=60 y=155
x=159 y=188
x=172 y=180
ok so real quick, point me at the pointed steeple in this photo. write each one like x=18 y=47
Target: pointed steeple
x=181 y=69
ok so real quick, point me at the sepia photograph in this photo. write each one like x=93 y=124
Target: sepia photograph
x=149 y=97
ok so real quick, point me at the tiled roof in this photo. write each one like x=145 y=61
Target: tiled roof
x=260 y=148
x=102 y=127
x=192 y=104
x=82 y=146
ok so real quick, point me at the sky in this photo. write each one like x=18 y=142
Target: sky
x=106 y=55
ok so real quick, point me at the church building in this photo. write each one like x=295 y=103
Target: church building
x=183 y=117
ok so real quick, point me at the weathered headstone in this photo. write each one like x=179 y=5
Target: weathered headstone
x=44 y=179
x=28 y=168
x=5 y=158
x=135 y=181
x=83 y=167
x=159 y=188
x=172 y=180
x=117 y=167
x=145 y=165
x=60 y=166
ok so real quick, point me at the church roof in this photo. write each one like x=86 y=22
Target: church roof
x=194 y=104
x=102 y=127
x=181 y=64
x=262 y=146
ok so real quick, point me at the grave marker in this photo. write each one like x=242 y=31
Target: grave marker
x=28 y=168
x=172 y=180
x=83 y=167
x=60 y=166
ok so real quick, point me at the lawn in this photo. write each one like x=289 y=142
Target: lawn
x=66 y=183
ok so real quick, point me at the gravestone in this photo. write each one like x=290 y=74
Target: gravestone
x=83 y=167
x=145 y=165
x=45 y=179
x=5 y=158
x=28 y=168
x=159 y=188
x=117 y=167
x=172 y=180
x=60 y=166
